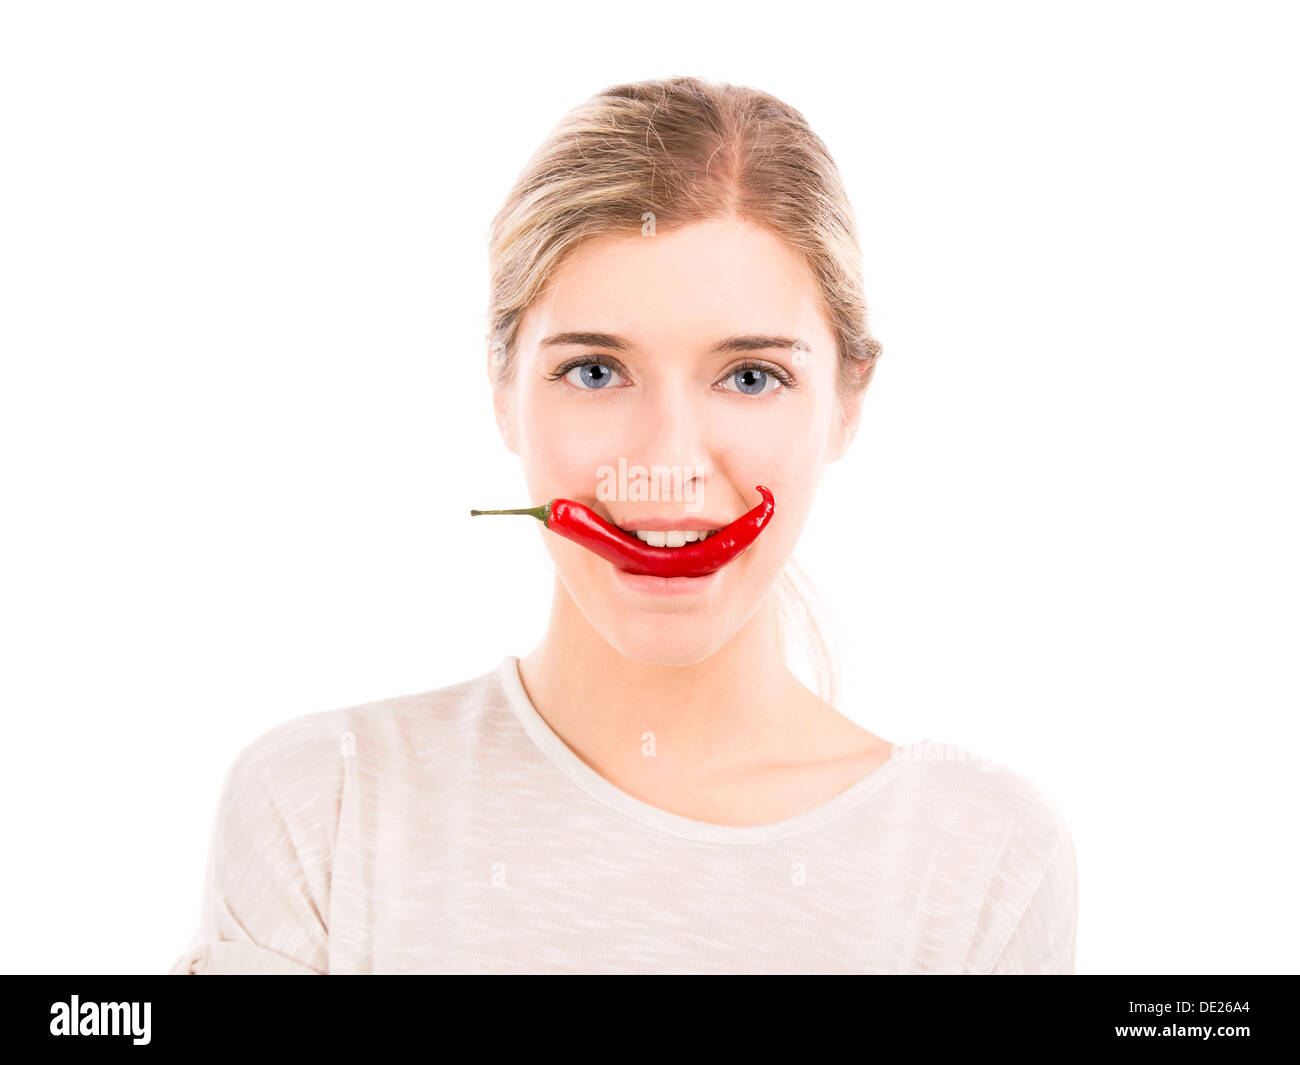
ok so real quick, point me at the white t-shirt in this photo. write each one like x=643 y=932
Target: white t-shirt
x=453 y=831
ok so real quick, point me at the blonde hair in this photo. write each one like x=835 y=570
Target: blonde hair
x=684 y=150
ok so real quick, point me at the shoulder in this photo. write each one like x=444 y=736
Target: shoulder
x=1001 y=838
x=966 y=793
x=308 y=754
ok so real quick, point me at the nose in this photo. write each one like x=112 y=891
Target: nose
x=674 y=434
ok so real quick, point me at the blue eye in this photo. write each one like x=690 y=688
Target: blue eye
x=586 y=374
x=753 y=379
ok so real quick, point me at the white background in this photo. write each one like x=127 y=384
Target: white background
x=244 y=414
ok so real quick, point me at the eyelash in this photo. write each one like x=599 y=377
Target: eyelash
x=787 y=380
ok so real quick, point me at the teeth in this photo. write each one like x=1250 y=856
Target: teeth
x=672 y=537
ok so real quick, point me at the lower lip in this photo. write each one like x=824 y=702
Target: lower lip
x=642 y=582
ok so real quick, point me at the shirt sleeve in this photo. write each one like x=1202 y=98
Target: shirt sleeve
x=1044 y=938
x=265 y=891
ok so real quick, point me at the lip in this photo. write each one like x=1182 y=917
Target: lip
x=648 y=524
x=669 y=586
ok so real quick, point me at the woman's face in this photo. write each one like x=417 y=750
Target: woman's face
x=660 y=409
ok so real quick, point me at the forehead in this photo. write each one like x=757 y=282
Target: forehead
x=688 y=286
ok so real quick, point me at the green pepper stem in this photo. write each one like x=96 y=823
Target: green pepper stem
x=540 y=513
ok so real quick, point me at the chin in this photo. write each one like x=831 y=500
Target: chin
x=663 y=630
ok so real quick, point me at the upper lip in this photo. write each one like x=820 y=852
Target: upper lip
x=649 y=524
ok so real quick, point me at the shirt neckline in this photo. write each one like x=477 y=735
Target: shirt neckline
x=564 y=758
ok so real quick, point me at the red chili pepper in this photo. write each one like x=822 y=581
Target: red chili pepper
x=584 y=526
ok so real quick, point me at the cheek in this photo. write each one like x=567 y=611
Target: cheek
x=788 y=457
x=557 y=453
x=785 y=445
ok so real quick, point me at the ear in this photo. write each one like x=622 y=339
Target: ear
x=849 y=408
x=842 y=435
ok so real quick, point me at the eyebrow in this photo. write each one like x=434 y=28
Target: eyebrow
x=730 y=344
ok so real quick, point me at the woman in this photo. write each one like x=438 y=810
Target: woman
x=677 y=319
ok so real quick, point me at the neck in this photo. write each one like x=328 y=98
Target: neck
x=739 y=708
